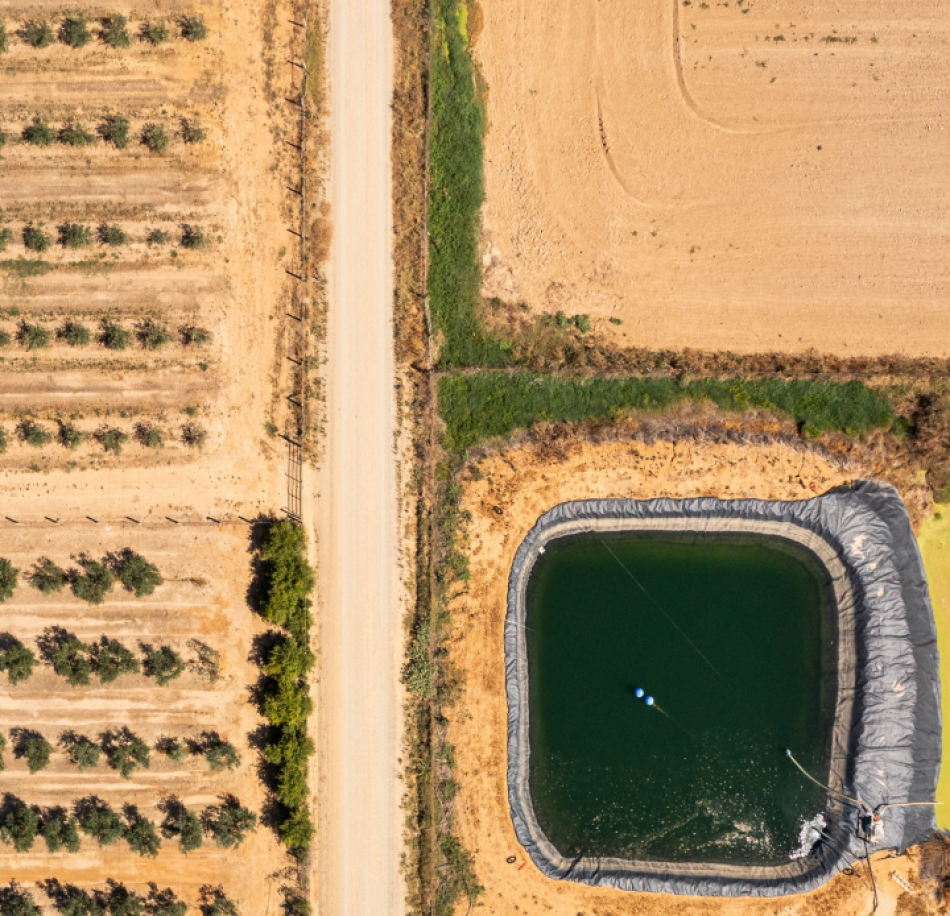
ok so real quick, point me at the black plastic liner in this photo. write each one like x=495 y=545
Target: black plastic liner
x=886 y=737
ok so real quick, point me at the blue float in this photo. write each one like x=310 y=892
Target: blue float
x=649 y=701
x=639 y=692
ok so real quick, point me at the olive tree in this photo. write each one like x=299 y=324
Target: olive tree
x=34 y=336
x=9 y=575
x=126 y=752
x=112 y=235
x=155 y=32
x=115 y=130
x=82 y=751
x=19 y=826
x=114 y=31
x=229 y=822
x=38 y=133
x=59 y=830
x=17 y=660
x=33 y=433
x=94 y=583
x=141 y=835
x=137 y=574
x=74 y=31
x=74 y=134
x=99 y=821
x=112 y=660
x=155 y=137
x=47 y=577
x=37 y=34
x=114 y=336
x=163 y=663
x=17 y=902
x=75 y=235
x=68 y=655
x=193 y=28
x=33 y=747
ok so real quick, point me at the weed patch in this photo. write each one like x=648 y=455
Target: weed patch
x=490 y=404
x=456 y=192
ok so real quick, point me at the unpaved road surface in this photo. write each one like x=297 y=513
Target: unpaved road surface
x=359 y=819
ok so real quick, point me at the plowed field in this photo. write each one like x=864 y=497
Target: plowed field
x=724 y=175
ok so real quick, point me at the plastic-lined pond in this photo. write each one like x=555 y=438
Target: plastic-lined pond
x=734 y=638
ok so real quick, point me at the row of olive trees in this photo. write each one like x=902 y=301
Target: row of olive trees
x=114 y=129
x=91 y=580
x=151 y=334
x=227 y=823
x=125 y=752
x=107 y=659
x=113 y=30
x=77 y=661
x=114 y=900
x=111 y=438
x=79 y=235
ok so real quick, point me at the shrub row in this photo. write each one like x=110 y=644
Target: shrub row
x=287 y=580
x=227 y=823
x=114 y=129
x=483 y=405
x=151 y=335
x=79 y=235
x=124 y=751
x=113 y=30
x=91 y=581
x=110 y=438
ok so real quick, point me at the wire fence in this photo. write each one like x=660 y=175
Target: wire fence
x=299 y=342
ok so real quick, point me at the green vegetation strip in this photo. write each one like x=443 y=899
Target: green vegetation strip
x=287 y=582
x=456 y=191
x=482 y=405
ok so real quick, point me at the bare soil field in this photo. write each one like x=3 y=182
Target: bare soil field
x=207 y=573
x=751 y=176
x=505 y=497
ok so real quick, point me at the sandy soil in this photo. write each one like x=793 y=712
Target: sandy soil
x=207 y=573
x=360 y=824
x=513 y=489
x=746 y=176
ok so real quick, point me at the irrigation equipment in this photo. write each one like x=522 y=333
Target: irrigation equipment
x=870 y=820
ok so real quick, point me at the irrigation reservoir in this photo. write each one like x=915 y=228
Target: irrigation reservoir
x=733 y=639
x=663 y=659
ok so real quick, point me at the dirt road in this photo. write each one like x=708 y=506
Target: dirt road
x=359 y=823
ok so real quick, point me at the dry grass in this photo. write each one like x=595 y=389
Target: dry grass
x=410 y=112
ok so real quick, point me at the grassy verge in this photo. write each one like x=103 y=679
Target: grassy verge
x=409 y=151
x=489 y=404
x=444 y=871
x=286 y=582
x=456 y=191
x=934 y=542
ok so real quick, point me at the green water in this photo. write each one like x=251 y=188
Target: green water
x=734 y=637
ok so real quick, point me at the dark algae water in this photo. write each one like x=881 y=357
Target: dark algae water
x=734 y=637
